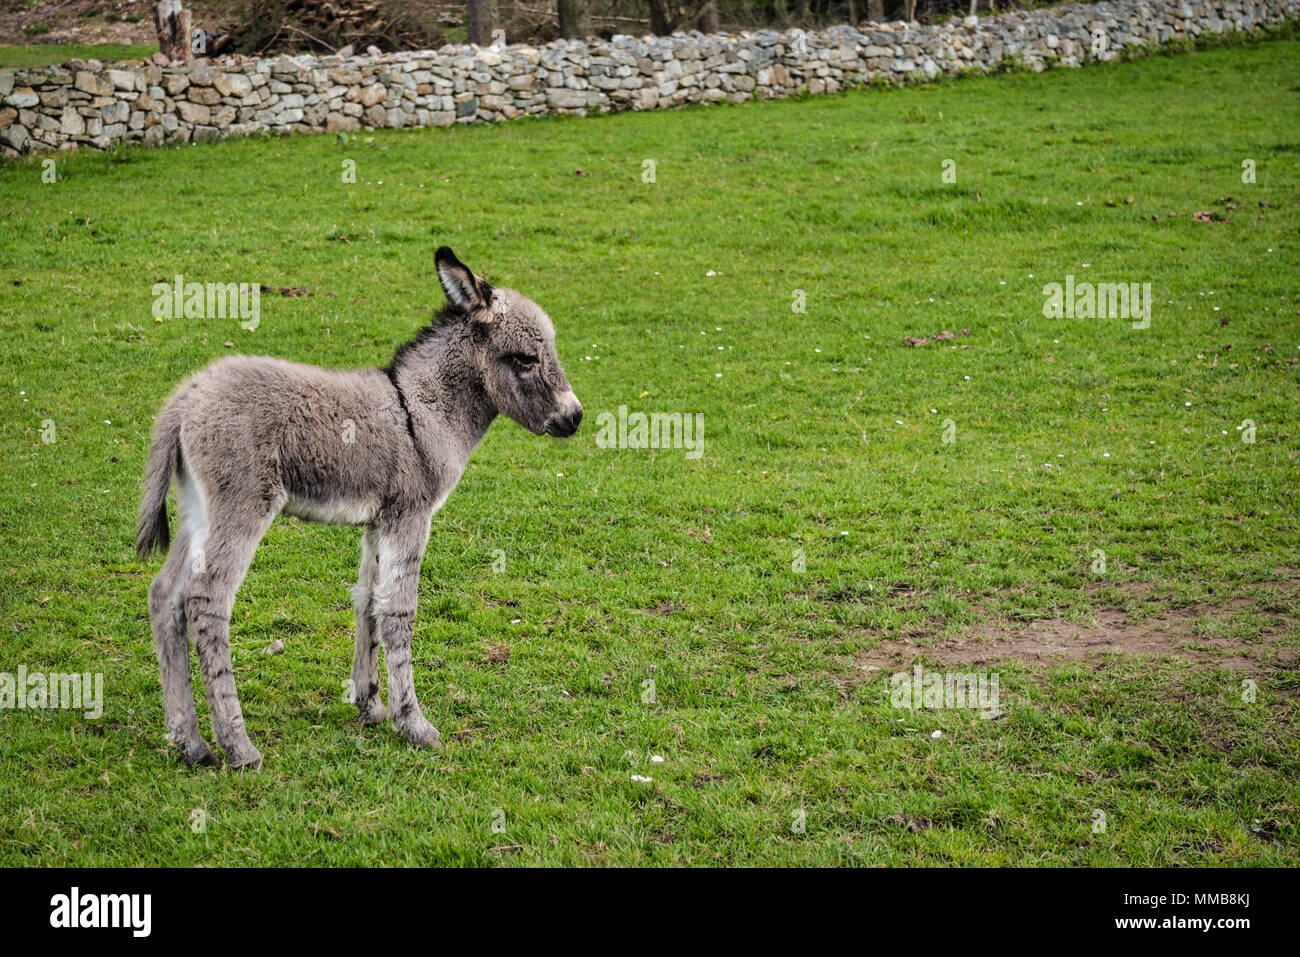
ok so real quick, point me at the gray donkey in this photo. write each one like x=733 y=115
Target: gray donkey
x=248 y=437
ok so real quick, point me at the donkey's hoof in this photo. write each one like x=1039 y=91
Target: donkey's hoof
x=249 y=757
x=425 y=736
x=197 y=752
x=372 y=712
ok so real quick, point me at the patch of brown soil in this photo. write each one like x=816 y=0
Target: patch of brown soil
x=131 y=21
x=1054 y=641
x=79 y=21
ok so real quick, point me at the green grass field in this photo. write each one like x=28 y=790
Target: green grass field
x=24 y=57
x=823 y=451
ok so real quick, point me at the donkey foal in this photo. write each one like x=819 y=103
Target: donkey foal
x=249 y=437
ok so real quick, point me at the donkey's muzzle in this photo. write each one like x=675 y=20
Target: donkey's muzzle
x=565 y=422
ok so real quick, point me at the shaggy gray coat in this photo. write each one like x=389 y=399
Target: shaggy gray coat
x=249 y=437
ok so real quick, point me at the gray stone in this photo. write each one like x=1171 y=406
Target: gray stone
x=23 y=98
x=195 y=113
x=14 y=137
x=72 y=123
x=116 y=112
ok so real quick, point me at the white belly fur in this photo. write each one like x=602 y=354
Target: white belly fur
x=331 y=513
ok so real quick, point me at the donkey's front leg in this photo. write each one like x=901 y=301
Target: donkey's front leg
x=365 y=654
x=401 y=546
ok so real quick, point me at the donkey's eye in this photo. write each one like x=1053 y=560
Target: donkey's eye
x=522 y=362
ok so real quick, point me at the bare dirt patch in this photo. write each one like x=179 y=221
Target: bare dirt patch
x=78 y=21
x=1169 y=633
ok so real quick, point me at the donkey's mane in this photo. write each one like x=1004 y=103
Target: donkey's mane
x=445 y=318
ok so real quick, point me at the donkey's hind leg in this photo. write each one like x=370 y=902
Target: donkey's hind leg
x=172 y=644
x=365 y=654
x=227 y=551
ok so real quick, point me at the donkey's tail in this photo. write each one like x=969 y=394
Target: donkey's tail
x=152 y=532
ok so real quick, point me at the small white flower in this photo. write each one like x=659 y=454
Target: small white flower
x=641 y=780
x=656 y=759
x=936 y=734
x=710 y=273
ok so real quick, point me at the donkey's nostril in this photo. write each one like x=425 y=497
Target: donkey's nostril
x=564 y=424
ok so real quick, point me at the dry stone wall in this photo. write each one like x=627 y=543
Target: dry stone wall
x=88 y=104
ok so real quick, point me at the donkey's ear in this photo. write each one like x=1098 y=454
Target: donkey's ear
x=463 y=288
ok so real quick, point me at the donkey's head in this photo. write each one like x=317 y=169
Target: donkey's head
x=515 y=346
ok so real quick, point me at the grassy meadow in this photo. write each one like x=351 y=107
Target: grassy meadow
x=859 y=500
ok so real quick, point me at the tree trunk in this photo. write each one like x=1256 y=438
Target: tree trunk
x=876 y=10
x=659 y=23
x=974 y=5
x=709 y=18
x=173 y=23
x=480 y=20
x=853 y=13
x=575 y=19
